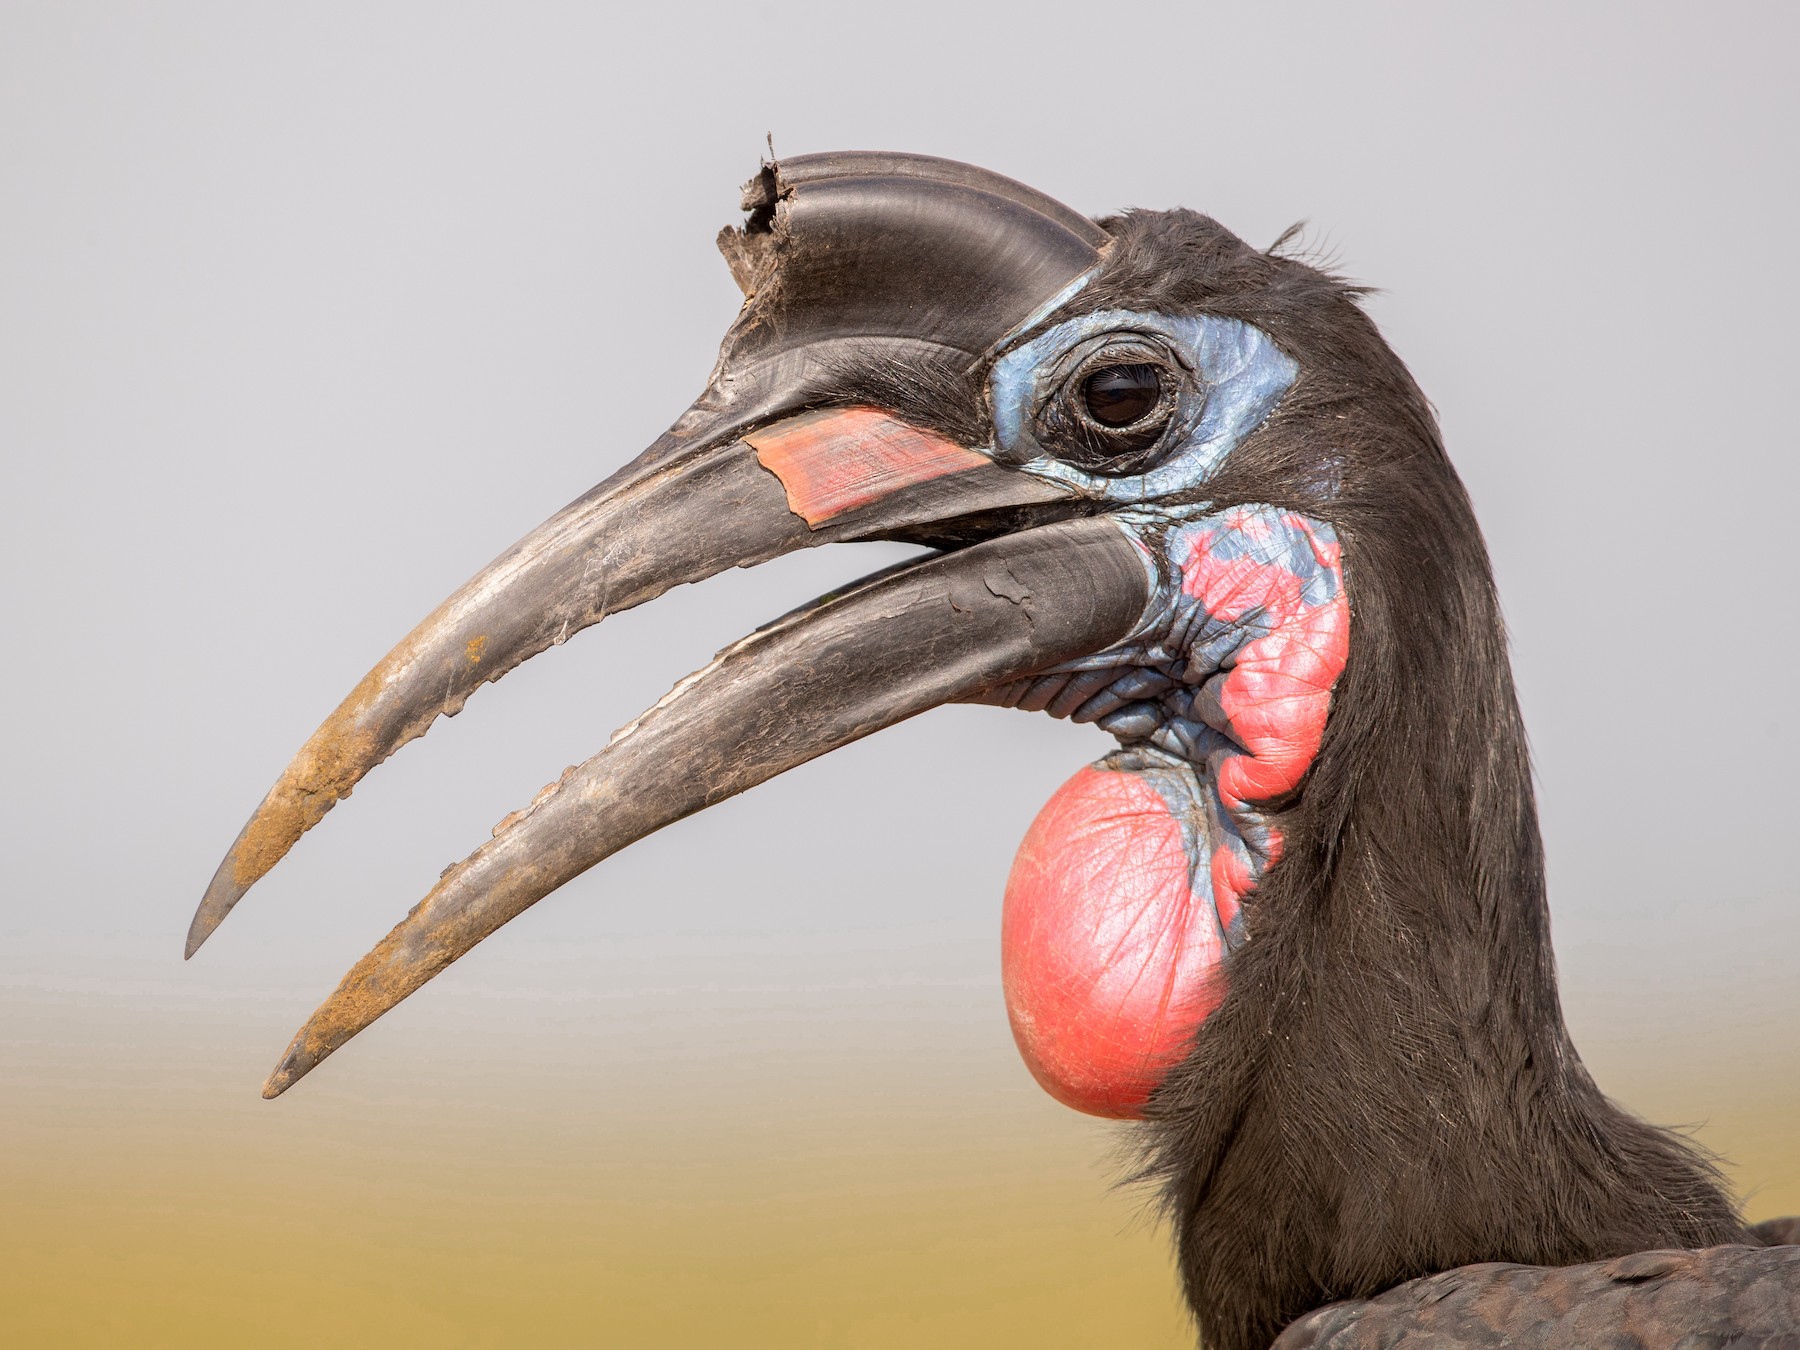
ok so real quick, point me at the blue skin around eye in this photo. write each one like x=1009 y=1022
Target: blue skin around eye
x=1241 y=372
x=1159 y=708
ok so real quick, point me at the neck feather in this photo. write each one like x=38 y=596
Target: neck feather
x=1389 y=1089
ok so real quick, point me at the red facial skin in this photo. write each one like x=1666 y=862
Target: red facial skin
x=1277 y=694
x=1111 y=961
x=1106 y=955
x=1279 y=690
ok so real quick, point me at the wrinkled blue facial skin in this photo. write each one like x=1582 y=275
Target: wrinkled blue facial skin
x=1239 y=372
x=1155 y=701
x=1163 y=693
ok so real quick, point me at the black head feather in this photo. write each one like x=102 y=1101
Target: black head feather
x=1389 y=1090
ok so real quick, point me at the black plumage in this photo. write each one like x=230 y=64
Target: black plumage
x=1722 y=1298
x=1383 y=1134
x=1390 y=1090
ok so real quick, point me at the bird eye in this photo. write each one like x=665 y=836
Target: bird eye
x=1117 y=396
x=1111 y=411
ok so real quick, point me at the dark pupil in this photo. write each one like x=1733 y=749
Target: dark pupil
x=1119 y=395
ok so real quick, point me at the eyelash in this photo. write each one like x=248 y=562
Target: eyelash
x=1068 y=427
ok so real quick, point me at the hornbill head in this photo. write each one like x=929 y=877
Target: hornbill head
x=1177 y=487
x=1129 y=443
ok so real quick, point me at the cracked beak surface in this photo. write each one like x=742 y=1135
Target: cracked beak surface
x=936 y=631
x=676 y=519
x=861 y=272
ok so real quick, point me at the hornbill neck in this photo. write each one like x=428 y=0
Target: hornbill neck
x=1386 y=1089
x=1389 y=1089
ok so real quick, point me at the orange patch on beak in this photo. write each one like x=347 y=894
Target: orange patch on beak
x=840 y=459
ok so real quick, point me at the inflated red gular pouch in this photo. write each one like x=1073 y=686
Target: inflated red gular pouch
x=1108 y=957
x=1127 y=893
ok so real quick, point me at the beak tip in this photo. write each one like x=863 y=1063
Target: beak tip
x=290 y=1071
x=222 y=894
x=304 y=1054
x=206 y=919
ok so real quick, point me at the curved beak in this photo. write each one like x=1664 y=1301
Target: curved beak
x=675 y=515
x=939 y=630
x=874 y=282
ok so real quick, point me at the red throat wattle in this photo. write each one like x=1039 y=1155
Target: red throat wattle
x=1121 y=897
x=1109 y=960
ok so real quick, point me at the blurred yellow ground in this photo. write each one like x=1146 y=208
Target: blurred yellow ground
x=171 y=1251
x=757 y=1174
x=356 y=1265
x=748 y=1169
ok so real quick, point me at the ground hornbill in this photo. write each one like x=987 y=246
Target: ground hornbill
x=1295 y=923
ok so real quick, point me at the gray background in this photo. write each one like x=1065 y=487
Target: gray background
x=306 y=312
